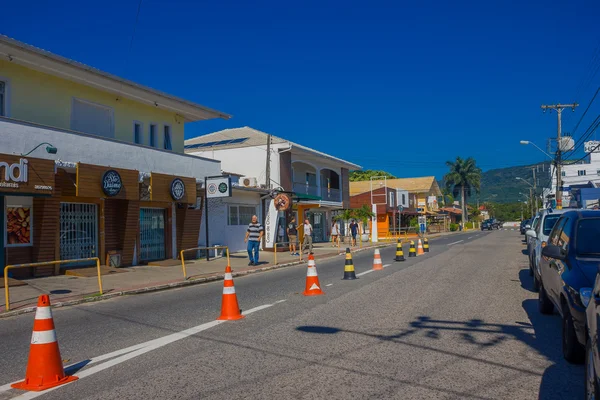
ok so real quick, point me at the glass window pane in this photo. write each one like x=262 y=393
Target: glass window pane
x=167 y=138
x=588 y=232
x=233 y=215
x=246 y=213
x=549 y=222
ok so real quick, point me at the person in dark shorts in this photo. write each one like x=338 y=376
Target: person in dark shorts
x=292 y=232
x=354 y=231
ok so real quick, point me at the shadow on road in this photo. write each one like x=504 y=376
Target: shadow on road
x=560 y=380
x=526 y=280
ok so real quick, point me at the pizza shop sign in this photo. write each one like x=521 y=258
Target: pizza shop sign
x=17 y=173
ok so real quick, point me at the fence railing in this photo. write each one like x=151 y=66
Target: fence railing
x=43 y=264
x=185 y=277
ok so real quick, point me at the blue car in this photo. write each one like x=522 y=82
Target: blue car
x=568 y=268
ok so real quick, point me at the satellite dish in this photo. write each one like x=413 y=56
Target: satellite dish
x=566 y=144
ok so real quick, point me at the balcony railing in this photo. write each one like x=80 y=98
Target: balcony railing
x=331 y=195
x=303 y=188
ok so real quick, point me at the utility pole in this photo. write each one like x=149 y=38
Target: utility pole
x=558 y=108
x=531 y=197
x=268 y=171
x=534 y=192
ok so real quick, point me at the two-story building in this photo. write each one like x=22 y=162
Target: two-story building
x=396 y=200
x=92 y=165
x=316 y=182
x=584 y=174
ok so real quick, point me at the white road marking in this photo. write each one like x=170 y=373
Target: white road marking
x=134 y=351
x=366 y=272
x=470 y=237
x=387 y=265
x=455 y=242
x=329 y=284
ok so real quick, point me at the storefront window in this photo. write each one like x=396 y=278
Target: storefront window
x=19 y=220
x=241 y=215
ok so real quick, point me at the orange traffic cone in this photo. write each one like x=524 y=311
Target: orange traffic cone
x=377 y=260
x=313 y=287
x=44 y=368
x=230 y=310
x=420 y=251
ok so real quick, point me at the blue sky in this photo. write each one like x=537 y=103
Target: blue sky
x=389 y=85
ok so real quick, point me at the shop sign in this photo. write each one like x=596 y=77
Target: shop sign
x=270 y=225
x=282 y=202
x=15 y=175
x=177 y=189
x=111 y=183
x=219 y=186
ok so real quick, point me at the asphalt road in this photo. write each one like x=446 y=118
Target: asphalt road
x=459 y=322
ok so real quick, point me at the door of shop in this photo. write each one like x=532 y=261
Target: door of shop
x=78 y=231
x=317 y=220
x=152 y=234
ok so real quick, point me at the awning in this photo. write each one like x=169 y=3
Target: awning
x=301 y=196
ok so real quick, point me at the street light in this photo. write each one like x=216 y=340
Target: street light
x=524 y=180
x=50 y=149
x=526 y=142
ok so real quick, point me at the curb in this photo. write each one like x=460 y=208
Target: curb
x=173 y=285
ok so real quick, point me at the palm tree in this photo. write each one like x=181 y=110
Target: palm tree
x=447 y=198
x=463 y=178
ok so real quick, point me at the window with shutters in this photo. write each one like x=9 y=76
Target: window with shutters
x=2 y=99
x=167 y=145
x=92 y=118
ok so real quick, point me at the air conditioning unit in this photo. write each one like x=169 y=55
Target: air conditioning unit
x=248 y=181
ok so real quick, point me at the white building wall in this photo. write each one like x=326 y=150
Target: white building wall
x=19 y=138
x=220 y=232
x=248 y=161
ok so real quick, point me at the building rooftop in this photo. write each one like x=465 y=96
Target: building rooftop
x=248 y=137
x=44 y=61
x=424 y=184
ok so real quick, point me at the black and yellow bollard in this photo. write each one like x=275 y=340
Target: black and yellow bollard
x=412 y=252
x=425 y=245
x=399 y=251
x=349 y=267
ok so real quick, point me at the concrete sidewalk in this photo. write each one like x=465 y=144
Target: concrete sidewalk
x=68 y=289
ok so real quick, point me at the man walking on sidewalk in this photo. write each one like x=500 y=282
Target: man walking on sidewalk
x=354 y=230
x=292 y=231
x=308 y=240
x=253 y=236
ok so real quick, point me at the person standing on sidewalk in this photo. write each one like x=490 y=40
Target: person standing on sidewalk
x=308 y=239
x=335 y=234
x=354 y=231
x=253 y=237
x=292 y=232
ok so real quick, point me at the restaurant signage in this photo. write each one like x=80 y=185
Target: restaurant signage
x=177 y=189
x=111 y=183
x=16 y=175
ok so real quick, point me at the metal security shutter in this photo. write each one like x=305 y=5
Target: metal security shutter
x=92 y=118
x=78 y=231
x=152 y=234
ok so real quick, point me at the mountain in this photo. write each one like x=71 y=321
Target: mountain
x=502 y=186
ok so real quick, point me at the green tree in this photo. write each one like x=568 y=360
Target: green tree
x=447 y=197
x=357 y=176
x=463 y=178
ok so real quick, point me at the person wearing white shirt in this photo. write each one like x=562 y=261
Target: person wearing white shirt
x=308 y=240
x=335 y=233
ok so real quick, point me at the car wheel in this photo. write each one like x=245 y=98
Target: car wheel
x=591 y=383
x=544 y=304
x=573 y=351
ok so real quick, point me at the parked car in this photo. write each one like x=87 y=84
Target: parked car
x=591 y=298
x=494 y=223
x=540 y=236
x=486 y=226
x=569 y=265
x=531 y=242
x=525 y=226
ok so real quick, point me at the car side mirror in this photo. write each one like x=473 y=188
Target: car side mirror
x=527 y=226
x=552 y=251
x=531 y=233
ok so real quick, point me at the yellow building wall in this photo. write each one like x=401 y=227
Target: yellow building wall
x=45 y=99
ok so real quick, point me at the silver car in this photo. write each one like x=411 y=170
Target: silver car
x=537 y=238
x=531 y=241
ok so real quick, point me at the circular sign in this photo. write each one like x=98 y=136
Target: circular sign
x=212 y=188
x=111 y=183
x=282 y=202
x=223 y=187
x=177 y=189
